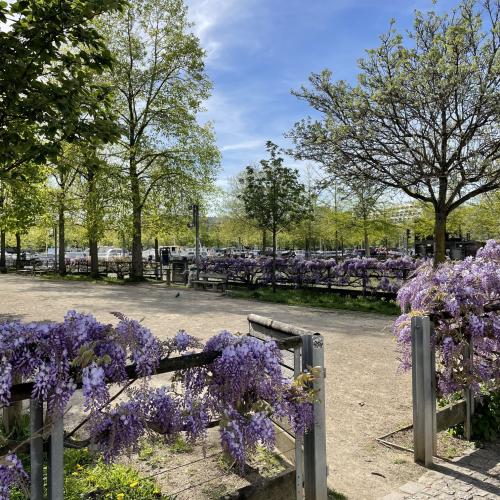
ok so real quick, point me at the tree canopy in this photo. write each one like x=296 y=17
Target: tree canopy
x=424 y=115
x=50 y=53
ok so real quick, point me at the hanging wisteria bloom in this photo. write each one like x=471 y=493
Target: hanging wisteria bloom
x=11 y=475
x=367 y=273
x=463 y=300
x=243 y=387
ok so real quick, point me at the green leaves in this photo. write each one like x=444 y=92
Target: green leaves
x=51 y=54
x=272 y=195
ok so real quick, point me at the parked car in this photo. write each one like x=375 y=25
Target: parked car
x=110 y=253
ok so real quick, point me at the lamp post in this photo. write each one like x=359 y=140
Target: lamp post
x=196 y=224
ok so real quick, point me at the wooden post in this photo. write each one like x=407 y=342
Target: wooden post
x=315 y=468
x=424 y=396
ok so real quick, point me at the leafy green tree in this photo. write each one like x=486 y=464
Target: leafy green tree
x=64 y=173
x=366 y=197
x=274 y=197
x=161 y=84
x=21 y=207
x=424 y=116
x=51 y=53
x=95 y=190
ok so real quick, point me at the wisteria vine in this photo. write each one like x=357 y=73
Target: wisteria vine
x=242 y=388
x=463 y=299
x=366 y=273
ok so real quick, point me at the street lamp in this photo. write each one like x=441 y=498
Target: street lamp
x=196 y=224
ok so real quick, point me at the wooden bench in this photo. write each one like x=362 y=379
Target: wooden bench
x=34 y=271
x=211 y=281
x=26 y=270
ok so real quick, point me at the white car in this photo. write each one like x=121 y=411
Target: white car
x=110 y=253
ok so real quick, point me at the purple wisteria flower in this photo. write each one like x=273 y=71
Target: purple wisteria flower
x=463 y=299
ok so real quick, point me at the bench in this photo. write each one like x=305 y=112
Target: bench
x=26 y=270
x=34 y=271
x=210 y=281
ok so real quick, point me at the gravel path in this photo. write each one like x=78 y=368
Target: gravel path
x=366 y=398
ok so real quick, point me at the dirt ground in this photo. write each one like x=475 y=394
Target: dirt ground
x=366 y=397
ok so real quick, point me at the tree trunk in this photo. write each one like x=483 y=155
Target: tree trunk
x=440 y=236
x=264 y=241
x=18 y=250
x=137 y=267
x=94 y=258
x=273 y=276
x=62 y=242
x=3 y=266
x=366 y=241
x=157 y=251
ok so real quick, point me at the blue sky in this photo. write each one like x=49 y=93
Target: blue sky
x=258 y=50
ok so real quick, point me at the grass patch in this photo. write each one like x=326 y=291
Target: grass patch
x=313 y=298
x=86 y=477
x=334 y=495
x=180 y=445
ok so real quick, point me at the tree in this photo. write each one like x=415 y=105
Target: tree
x=50 y=53
x=95 y=188
x=21 y=205
x=423 y=117
x=161 y=84
x=64 y=174
x=273 y=197
x=366 y=197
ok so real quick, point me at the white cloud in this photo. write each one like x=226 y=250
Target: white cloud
x=250 y=144
x=215 y=22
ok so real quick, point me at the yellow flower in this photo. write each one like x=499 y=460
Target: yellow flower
x=120 y=496
x=134 y=484
x=79 y=467
x=74 y=473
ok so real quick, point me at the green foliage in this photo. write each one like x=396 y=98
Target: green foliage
x=51 y=53
x=86 y=478
x=486 y=419
x=313 y=298
x=161 y=82
x=273 y=196
x=423 y=116
x=334 y=495
x=180 y=445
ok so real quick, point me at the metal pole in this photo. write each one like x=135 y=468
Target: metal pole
x=56 y=460
x=196 y=209
x=423 y=372
x=315 y=468
x=55 y=249
x=468 y=396
x=36 y=449
x=299 y=453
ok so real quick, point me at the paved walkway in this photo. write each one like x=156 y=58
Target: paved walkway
x=475 y=476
